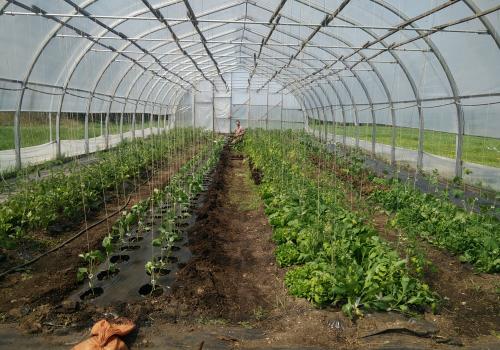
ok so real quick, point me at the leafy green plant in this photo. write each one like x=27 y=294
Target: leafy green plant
x=92 y=259
x=336 y=258
x=68 y=193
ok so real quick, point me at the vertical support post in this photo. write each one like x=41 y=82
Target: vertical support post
x=58 y=135
x=121 y=127
x=142 y=124
x=17 y=137
x=249 y=103
x=420 y=155
x=86 y=125
x=459 y=140
x=86 y=132
x=106 y=128
x=231 y=103
x=356 y=124
x=393 y=136
x=213 y=109
x=133 y=126
x=267 y=108
x=334 y=126
x=151 y=120
x=281 y=112
x=165 y=121
x=193 y=107
x=374 y=130
x=248 y=108
x=50 y=126
x=159 y=118
x=325 y=126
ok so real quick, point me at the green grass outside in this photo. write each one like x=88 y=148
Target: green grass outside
x=36 y=132
x=476 y=149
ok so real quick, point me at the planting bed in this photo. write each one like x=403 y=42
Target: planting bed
x=221 y=287
x=132 y=283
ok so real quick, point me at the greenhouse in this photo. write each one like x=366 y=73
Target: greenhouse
x=247 y=174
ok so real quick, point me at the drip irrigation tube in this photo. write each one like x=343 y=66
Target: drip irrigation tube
x=22 y=266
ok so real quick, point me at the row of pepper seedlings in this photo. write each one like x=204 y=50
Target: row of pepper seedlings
x=158 y=219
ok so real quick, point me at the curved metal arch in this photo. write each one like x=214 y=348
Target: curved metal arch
x=484 y=21
x=331 y=108
x=360 y=81
x=324 y=112
x=155 y=48
x=298 y=67
x=112 y=59
x=102 y=74
x=199 y=76
x=246 y=68
x=300 y=90
x=154 y=30
x=408 y=77
x=444 y=66
x=296 y=93
x=38 y=53
x=141 y=74
x=320 y=86
x=453 y=85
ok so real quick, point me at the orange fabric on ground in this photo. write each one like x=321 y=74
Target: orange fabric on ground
x=106 y=336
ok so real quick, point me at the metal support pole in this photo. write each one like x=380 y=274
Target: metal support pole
x=213 y=109
x=459 y=140
x=17 y=137
x=231 y=102
x=393 y=137
x=193 y=107
x=281 y=113
x=133 y=126
x=142 y=125
x=159 y=118
x=86 y=133
x=106 y=128
x=121 y=127
x=58 y=135
x=420 y=155
x=248 y=107
x=151 y=120
x=267 y=108
x=50 y=127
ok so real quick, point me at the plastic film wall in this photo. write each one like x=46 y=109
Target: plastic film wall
x=415 y=82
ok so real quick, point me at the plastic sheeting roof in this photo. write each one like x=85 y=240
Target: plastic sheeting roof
x=364 y=56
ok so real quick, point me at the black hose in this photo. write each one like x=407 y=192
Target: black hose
x=19 y=267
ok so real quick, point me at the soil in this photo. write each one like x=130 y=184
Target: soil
x=230 y=295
